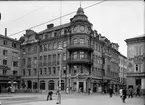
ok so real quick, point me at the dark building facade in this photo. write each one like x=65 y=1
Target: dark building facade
x=88 y=60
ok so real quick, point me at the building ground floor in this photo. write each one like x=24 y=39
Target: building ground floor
x=136 y=81
x=78 y=83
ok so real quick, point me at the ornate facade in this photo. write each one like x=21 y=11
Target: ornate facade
x=88 y=60
x=136 y=59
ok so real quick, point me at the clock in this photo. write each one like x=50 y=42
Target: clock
x=82 y=28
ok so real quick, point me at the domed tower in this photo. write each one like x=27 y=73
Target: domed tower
x=80 y=51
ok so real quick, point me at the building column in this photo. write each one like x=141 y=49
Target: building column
x=84 y=86
x=143 y=85
x=77 y=86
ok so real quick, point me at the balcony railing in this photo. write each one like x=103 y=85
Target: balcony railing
x=87 y=61
x=80 y=46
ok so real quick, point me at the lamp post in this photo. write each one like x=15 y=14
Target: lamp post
x=59 y=85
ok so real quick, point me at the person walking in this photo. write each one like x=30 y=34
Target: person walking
x=49 y=95
x=110 y=91
x=89 y=91
x=130 y=92
x=124 y=94
x=67 y=90
x=120 y=92
x=137 y=91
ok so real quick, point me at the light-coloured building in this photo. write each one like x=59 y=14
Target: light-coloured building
x=136 y=61
x=9 y=62
x=88 y=60
x=123 y=69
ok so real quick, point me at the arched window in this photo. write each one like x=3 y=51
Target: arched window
x=51 y=85
x=62 y=84
x=42 y=85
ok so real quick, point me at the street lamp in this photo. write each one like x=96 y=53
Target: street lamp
x=59 y=85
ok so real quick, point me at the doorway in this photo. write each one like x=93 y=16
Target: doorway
x=81 y=86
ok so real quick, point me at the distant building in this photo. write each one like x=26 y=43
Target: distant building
x=123 y=69
x=9 y=62
x=136 y=65
x=88 y=60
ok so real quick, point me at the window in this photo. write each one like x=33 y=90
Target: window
x=4 y=72
x=81 y=55
x=35 y=60
x=49 y=58
x=4 y=62
x=42 y=85
x=51 y=85
x=14 y=45
x=45 y=47
x=45 y=70
x=64 y=44
x=59 y=44
x=29 y=71
x=75 y=41
x=41 y=71
x=54 y=57
x=55 y=45
x=23 y=72
x=49 y=46
x=45 y=60
x=35 y=72
x=5 y=52
x=49 y=70
x=15 y=63
x=35 y=49
x=82 y=41
x=137 y=68
x=64 y=56
x=75 y=55
x=54 y=70
x=15 y=72
x=29 y=49
x=4 y=42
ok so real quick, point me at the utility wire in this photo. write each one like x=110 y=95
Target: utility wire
x=56 y=18
x=27 y=14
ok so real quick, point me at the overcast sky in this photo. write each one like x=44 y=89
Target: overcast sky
x=117 y=20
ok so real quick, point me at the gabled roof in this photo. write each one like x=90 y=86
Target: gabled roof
x=55 y=28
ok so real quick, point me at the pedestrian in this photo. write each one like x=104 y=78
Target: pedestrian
x=58 y=97
x=120 y=92
x=89 y=91
x=124 y=94
x=67 y=90
x=49 y=95
x=110 y=92
x=9 y=89
x=138 y=91
x=130 y=92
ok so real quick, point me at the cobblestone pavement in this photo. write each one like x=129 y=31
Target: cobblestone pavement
x=67 y=99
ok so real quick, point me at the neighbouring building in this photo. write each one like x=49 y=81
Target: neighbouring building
x=136 y=59
x=10 y=70
x=88 y=60
x=123 y=70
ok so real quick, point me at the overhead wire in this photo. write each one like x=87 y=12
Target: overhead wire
x=56 y=18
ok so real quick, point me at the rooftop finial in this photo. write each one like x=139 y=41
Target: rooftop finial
x=80 y=3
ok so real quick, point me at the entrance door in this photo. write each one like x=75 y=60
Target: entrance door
x=81 y=86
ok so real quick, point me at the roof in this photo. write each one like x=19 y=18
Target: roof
x=6 y=37
x=136 y=38
x=55 y=28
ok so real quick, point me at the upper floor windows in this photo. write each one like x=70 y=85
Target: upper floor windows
x=75 y=41
x=14 y=45
x=4 y=62
x=5 y=42
x=5 y=52
x=82 y=41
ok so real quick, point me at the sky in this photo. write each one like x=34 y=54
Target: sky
x=116 y=20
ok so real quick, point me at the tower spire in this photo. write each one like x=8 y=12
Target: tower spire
x=80 y=3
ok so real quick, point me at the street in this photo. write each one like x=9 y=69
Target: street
x=67 y=99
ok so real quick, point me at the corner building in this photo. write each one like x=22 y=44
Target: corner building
x=88 y=60
x=136 y=62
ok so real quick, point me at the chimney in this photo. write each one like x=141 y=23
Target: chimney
x=5 y=31
x=50 y=26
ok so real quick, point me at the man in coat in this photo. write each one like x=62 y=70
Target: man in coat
x=124 y=94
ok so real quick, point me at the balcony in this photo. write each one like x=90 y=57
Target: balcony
x=80 y=47
x=86 y=61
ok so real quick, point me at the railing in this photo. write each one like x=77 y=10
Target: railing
x=80 y=46
x=79 y=60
